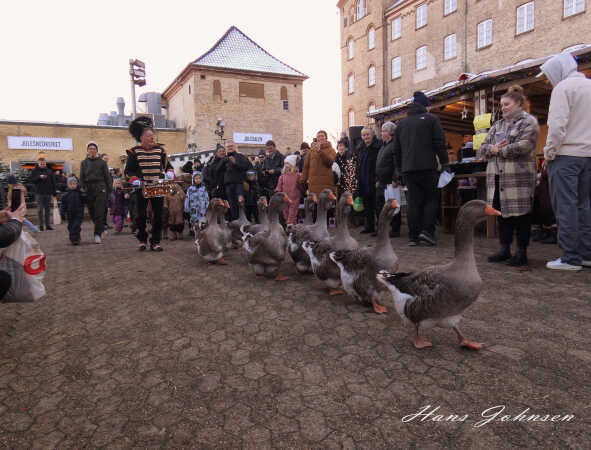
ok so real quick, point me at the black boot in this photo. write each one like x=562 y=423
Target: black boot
x=502 y=255
x=519 y=259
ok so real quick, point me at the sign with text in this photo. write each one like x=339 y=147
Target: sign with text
x=252 y=138
x=38 y=143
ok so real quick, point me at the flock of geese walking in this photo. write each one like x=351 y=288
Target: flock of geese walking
x=435 y=296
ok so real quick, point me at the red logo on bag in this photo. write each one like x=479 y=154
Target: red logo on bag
x=35 y=264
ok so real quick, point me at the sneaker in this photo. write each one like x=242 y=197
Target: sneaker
x=75 y=242
x=413 y=243
x=97 y=239
x=586 y=263
x=559 y=265
x=41 y=228
x=427 y=238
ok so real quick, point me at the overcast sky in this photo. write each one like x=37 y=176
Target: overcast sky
x=67 y=61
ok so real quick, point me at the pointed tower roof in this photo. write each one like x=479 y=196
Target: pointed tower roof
x=236 y=51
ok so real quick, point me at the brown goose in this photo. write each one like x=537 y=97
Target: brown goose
x=342 y=239
x=210 y=236
x=263 y=224
x=236 y=224
x=438 y=296
x=311 y=232
x=266 y=249
x=224 y=224
x=383 y=253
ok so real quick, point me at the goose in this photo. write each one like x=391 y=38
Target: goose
x=318 y=252
x=263 y=224
x=224 y=224
x=266 y=249
x=236 y=224
x=317 y=231
x=359 y=267
x=210 y=236
x=438 y=296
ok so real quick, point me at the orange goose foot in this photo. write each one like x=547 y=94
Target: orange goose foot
x=470 y=345
x=378 y=308
x=335 y=291
x=421 y=342
x=280 y=277
x=222 y=262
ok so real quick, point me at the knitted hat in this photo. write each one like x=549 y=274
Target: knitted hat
x=11 y=179
x=197 y=172
x=136 y=182
x=170 y=174
x=133 y=179
x=91 y=143
x=421 y=99
x=72 y=180
x=262 y=152
x=292 y=160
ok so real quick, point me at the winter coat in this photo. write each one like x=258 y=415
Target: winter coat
x=43 y=186
x=196 y=203
x=418 y=139
x=275 y=163
x=543 y=212
x=348 y=179
x=366 y=181
x=61 y=183
x=569 y=127
x=515 y=163
x=116 y=202
x=234 y=173
x=213 y=176
x=133 y=167
x=10 y=232
x=175 y=204
x=94 y=171
x=72 y=205
x=252 y=192
x=387 y=168
x=289 y=183
x=318 y=169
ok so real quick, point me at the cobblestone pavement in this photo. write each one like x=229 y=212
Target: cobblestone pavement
x=153 y=350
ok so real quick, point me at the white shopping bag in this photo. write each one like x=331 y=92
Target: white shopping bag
x=57 y=219
x=393 y=193
x=25 y=263
x=444 y=179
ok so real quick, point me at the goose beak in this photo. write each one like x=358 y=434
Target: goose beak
x=332 y=196
x=221 y=203
x=315 y=198
x=395 y=204
x=265 y=203
x=350 y=201
x=287 y=200
x=490 y=211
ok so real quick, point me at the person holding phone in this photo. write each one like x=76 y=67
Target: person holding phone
x=510 y=149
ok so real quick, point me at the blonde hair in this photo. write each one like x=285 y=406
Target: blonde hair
x=117 y=183
x=288 y=168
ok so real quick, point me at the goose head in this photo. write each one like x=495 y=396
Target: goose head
x=326 y=199
x=474 y=212
x=279 y=200
x=337 y=257
x=346 y=202
x=309 y=247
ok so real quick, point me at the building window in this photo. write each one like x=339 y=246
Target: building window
x=372 y=108
x=351 y=118
x=397 y=28
x=422 y=16
x=371 y=38
x=449 y=47
x=450 y=6
x=283 y=93
x=351 y=48
x=285 y=105
x=217 y=88
x=396 y=67
x=351 y=83
x=189 y=89
x=252 y=90
x=371 y=76
x=572 y=7
x=485 y=33
x=422 y=57
x=361 y=11
x=525 y=18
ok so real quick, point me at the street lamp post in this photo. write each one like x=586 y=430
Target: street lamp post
x=220 y=130
x=137 y=72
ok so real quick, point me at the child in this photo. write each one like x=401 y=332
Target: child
x=117 y=205
x=16 y=193
x=196 y=201
x=252 y=192
x=174 y=203
x=289 y=183
x=133 y=199
x=72 y=209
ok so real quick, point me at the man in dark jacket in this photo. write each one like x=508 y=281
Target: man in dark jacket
x=96 y=181
x=271 y=170
x=212 y=176
x=44 y=181
x=234 y=167
x=387 y=174
x=366 y=155
x=419 y=139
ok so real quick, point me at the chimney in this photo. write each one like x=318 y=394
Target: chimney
x=121 y=111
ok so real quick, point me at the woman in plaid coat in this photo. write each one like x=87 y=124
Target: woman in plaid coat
x=510 y=149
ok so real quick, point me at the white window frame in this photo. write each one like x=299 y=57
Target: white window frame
x=361 y=9
x=397 y=28
x=525 y=18
x=572 y=7
x=485 y=33
x=350 y=48
x=351 y=118
x=371 y=38
x=450 y=6
x=351 y=81
x=450 y=47
x=371 y=76
x=421 y=13
x=396 y=67
x=421 y=58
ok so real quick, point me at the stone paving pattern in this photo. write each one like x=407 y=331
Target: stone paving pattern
x=146 y=350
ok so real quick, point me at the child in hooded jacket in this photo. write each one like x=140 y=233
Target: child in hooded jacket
x=174 y=204
x=72 y=209
x=116 y=202
x=252 y=192
x=289 y=183
x=197 y=200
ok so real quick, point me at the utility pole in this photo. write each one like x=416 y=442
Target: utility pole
x=137 y=72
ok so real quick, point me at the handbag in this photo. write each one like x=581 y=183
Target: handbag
x=358 y=204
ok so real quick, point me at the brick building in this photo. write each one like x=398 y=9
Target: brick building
x=392 y=48
x=239 y=85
